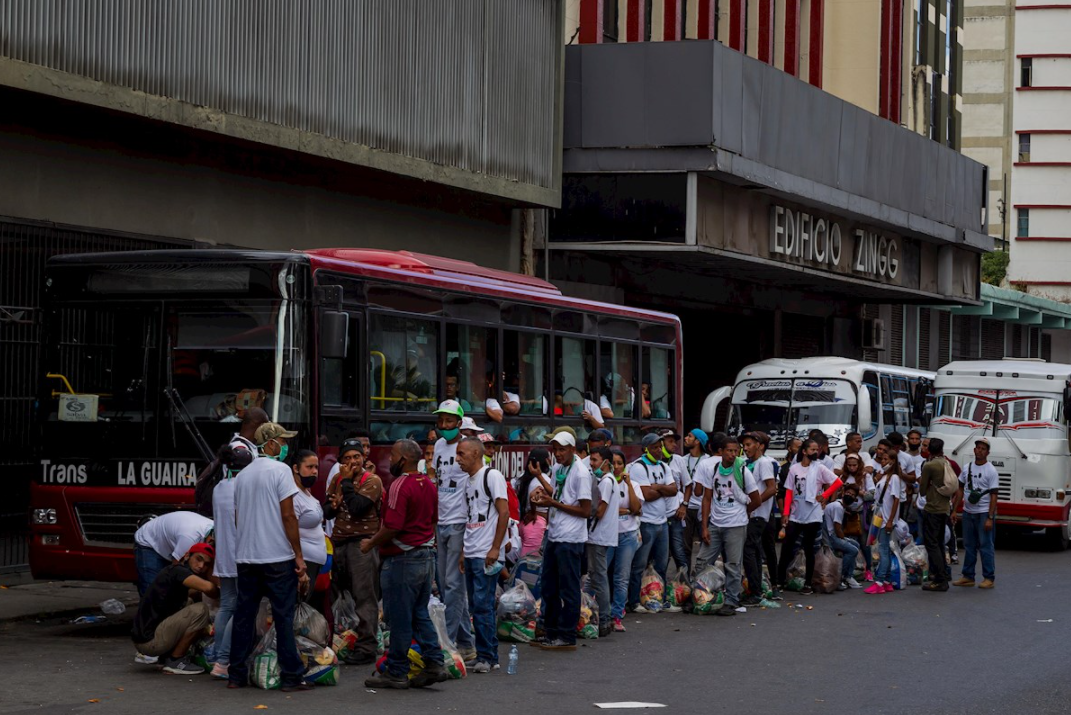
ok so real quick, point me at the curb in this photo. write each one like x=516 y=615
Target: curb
x=93 y=609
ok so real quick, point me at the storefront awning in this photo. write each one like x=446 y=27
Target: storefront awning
x=1013 y=306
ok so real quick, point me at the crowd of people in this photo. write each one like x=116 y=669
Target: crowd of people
x=453 y=527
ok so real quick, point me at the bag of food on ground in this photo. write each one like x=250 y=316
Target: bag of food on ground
x=652 y=590
x=898 y=573
x=416 y=661
x=382 y=638
x=344 y=611
x=265 y=671
x=902 y=533
x=308 y=623
x=517 y=603
x=707 y=590
x=797 y=571
x=826 y=571
x=680 y=593
x=588 y=626
x=860 y=566
x=204 y=653
x=264 y=617
x=343 y=643
x=321 y=664
x=529 y=570
x=451 y=658
x=915 y=562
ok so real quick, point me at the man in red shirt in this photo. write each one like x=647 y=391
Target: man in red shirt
x=406 y=542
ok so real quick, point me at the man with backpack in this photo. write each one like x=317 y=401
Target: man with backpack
x=485 y=531
x=602 y=532
x=938 y=484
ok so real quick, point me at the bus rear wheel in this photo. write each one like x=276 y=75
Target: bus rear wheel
x=1059 y=537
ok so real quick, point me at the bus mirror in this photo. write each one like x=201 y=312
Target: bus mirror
x=865 y=415
x=710 y=408
x=334 y=334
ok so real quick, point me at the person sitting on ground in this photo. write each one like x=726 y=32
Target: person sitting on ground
x=833 y=519
x=165 y=623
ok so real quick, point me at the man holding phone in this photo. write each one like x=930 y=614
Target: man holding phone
x=978 y=485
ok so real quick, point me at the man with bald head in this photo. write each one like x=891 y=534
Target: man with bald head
x=406 y=541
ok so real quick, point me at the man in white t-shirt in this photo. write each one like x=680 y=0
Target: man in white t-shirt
x=979 y=485
x=269 y=558
x=833 y=522
x=853 y=444
x=677 y=512
x=765 y=470
x=730 y=495
x=903 y=458
x=695 y=445
x=568 y=497
x=659 y=490
x=602 y=532
x=450 y=535
x=487 y=505
x=163 y=540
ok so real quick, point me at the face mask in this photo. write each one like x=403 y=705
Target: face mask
x=848 y=501
x=598 y=472
x=281 y=457
x=396 y=469
x=666 y=453
x=449 y=434
x=308 y=482
x=487 y=460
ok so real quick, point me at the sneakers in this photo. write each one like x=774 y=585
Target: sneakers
x=806 y=590
x=605 y=629
x=875 y=588
x=181 y=666
x=726 y=610
x=640 y=609
x=219 y=671
x=751 y=601
x=987 y=583
x=429 y=676
x=619 y=627
x=298 y=687
x=558 y=644
x=852 y=583
x=868 y=576
x=482 y=666
x=467 y=654
x=776 y=596
x=889 y=588
x=539 y=641
x=143 y=659
x=386 y=680
x=842 y=586
x=964 y=582
x=955 y=558
x=935 y=586
x=670 y=608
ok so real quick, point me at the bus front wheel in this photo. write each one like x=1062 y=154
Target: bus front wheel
x=1059 y=537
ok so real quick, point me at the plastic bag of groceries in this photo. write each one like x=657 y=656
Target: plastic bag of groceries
x=321 y=663
x=204 y=653
x=265 y=672
x=308 y=623
x=529 y=569
x=680 y=592
x=264 y=617
x=708 y=590
x=416 y=661
x=517 y=614
x=861 y=566
x=898 y=572
x=344 y=611
x=902 y=533
x=797 y=572
x=451 y=658
x=915 y=561
x=652 y=590
x=343 y=643
x=588 y=625
x=826 y=571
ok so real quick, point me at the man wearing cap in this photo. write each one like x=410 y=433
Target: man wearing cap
x=978 y=488
x=269 y=559
x=164 y=624
x=568 y=497
x=452 y=483
x=469 y=428
x=651 y=473
x=677 y=512
x=597 y=439
x=764 y=469
x=354 y=502
x=490 y=447
x=695 y=446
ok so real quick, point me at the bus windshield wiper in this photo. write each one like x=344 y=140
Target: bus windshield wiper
x=179 y=410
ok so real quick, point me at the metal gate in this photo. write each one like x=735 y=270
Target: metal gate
x=24 y=248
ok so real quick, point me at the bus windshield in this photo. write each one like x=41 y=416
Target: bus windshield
x=117 y=357
x=1000 y=412
x=793 y=407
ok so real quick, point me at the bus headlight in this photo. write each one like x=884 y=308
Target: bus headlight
x=1030 y=493
x=50 y=539
x=1044 y=494
x=44 y=516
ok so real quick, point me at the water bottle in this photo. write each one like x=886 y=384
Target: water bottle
x=514 y=656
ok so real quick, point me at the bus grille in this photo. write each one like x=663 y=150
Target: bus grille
x=1004 y=487
x=114 y=524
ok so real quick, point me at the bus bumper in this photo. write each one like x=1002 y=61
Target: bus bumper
x=1038 y=516
x=59 y=563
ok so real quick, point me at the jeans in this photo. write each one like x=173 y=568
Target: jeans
x=654 y=548
x=560 y=586
x=975 y=539
x=676 y=545
x=452 y=591
x=406 y=581
x=621 y=558
x=481 y=593
x=849 y=550
x=756 y=529
x=358 y=573
x=769 y=545
x=933 y=532
x=279 y=583
x=884 y=557
x=149 y=565
x=729 y=542
x=793 y=532
x=692 y=529
x=228 y=598
x=599 y=581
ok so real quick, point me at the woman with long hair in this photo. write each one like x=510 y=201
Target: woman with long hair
x=804 y=499
x=889 y=492
x=533 y=519
x=619 y=558
x=305 y=465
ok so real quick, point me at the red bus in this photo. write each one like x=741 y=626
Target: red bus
x=139 y=347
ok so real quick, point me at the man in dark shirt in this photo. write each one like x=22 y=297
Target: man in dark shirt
x=164 y=623
x=406 y=541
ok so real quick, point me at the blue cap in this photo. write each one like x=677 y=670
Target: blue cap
x=602 y=433
x=701 y=436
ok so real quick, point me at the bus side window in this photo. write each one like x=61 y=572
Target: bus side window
x=870 y=384
x=902 y=404
x=575 y=361
x=657 y=385
x=524 y=372
x=403 y=364
x=888 y=411
x=617 y=379
x=472 y=370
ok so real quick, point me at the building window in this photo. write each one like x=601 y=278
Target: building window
x=1026 y=72
x=1024 y=223
x=1024 y=147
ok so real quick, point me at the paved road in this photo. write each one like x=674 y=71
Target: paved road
x=961 y=652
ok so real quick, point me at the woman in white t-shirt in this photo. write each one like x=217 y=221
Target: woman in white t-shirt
x=888 y=493
x=619 y=558
x=533 y=519
x=310 y=517
x=808 y=486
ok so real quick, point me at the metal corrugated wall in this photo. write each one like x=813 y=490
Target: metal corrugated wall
x=471 y=84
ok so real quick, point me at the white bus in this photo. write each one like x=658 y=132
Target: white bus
x=1022 y=406
x=789 y=398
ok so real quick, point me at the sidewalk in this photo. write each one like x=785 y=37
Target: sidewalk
x=22 y=598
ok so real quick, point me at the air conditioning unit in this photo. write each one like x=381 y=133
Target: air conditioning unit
x=873 y=334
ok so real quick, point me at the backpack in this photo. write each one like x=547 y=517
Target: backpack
x=511 y=495
x=951 y=483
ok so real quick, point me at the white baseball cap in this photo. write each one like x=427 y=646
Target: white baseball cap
x=469 y=423
x=565 y=439
x=450 y=407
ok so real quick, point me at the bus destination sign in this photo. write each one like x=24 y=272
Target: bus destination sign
x=119 y=473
